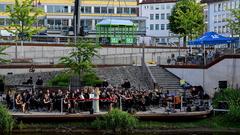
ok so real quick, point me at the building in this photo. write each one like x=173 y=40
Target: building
x=217 y=12
x=59 y=13
x=157 y=13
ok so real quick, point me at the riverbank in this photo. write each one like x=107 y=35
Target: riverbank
x=209 y=125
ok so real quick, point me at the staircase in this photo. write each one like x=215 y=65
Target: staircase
x=165 y=79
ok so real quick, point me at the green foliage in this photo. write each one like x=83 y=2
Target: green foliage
x=232 y=97
x=80 y=60
x=234 y=21
x=2 y=53
x=61 y=79
x=187 y=19
x=6 y=120
x=115 y=119
x=23 y=16
x=91 y=79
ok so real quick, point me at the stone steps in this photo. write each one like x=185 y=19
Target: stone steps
x=165 y=79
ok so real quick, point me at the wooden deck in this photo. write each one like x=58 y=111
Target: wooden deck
x=85 y=116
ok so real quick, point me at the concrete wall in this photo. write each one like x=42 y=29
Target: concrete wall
x=46 y=55
x=5 y=71
x=225 y=70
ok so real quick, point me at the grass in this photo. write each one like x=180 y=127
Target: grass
x=217 y=122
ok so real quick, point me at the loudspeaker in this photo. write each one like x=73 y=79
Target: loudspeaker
x=222 y=84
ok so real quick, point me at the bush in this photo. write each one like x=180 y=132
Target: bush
x=116 y=119
x=61 y=79
x=232 y=97
x=6 y=120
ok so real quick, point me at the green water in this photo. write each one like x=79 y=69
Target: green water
x=182 y=133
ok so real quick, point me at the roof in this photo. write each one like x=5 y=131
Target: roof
x=211 y=1
x=157 y=1
x=116 y=22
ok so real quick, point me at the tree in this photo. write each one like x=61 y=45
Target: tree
x=80 y=59
x=2 y=53
x=23 y=17
x=234 y=21
x=187 y=19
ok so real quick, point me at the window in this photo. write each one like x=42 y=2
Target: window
x=151 y=16
x=223 y=29
x=157 y=40
x=162 y=7
x=157 y=7
x=156 y=26
x=219 y=29
x=215 y=18
x=2 y=21
x=151 y=26
x=2 y=8
x=224 y=6
x=60 y=9
x=215 y=7
x=162 y=40
x=215 y=29
x=8 y=22
x=97 y=10
x=119 y=10
x=82 y=9
x=126 y=10
x=88 y=9
x=168 y=14
x=219 y=18
x=104 y=10
x=111 y=10
x=233 y=5
x=133 y=11
x=168 y=6
x=162 y=27
x=157 y=16
x=49 y=9
x=223 y=18
x=219 y=7
x=72 y=9
x=162 y=16
x=237 y=4
x=168 y=27
x=151 y=7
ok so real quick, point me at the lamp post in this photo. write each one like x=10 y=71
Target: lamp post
x=36 y=4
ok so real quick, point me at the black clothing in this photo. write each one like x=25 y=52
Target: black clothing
x=39 y=82
x=29 y=81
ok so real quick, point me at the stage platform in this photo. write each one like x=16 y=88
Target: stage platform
x=86 y=116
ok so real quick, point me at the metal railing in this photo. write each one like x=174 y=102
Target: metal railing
x=147 y=75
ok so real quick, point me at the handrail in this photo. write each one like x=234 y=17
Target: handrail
x=215 y=61
x=149 y=76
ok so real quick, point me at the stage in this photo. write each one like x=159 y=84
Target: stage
x=156 y=114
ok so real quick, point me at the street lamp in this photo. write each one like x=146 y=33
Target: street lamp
x=36 y=4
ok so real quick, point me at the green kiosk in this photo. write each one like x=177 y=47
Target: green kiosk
x=116 y=32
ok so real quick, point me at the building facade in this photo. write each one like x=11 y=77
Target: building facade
x=217 y=12
x=59 y=13
x=157 y=23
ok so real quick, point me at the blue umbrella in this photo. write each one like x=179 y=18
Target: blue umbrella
x=212 y=38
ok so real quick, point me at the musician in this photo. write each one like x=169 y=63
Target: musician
x=47 y=102
x=19 y=103
x=26 y=100
x=9 y=99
